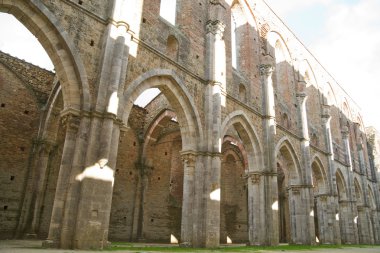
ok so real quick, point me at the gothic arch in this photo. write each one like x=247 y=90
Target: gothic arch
x=240 y=146
x=178 y=96
x=346 y=109
x=155 y=128
x=274 y=37
x=359 y=193
x=248 y=135
x=329 y=95
x=285 y=148
x=341 y=185
x=371 y=197
x=319 y=175
x=306 y=73
x=37 y=18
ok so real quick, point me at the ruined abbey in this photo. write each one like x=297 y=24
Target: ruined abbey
x=250 y=139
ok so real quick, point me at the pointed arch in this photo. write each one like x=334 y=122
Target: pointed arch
x=306 y=73
x=358 y=192
x=42 y=23
x=341 y=185
x=285 y=149
x=345 y=107
x=329 y=95
x=319 y=175
x=240 y=146
x=179 y=98
x=275 y=40
x=155 y=127
x=239 y=121
x=371 y=197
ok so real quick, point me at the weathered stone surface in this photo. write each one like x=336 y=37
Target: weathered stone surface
x=250 y=140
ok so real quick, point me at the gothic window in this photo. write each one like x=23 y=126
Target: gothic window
x=238 y=30
x=242 y=93
x=168 y=10
x=172 y=47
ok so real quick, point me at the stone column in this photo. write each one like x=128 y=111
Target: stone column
x=42 y=173
x=350 y=205
x=144 y=173
x=375 y=220
x=364 y=225
x=270 y=202
x=332 y=187
x=30 y=215
x=188 y=159
x=72 y=125
x=256 y=225
x=365 y=232
x=326 y=219
x=207 y=234
x=308 y=201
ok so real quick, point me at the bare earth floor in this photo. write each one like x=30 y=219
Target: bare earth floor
x=27 y=246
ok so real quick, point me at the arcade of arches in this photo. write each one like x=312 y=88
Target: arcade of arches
x=250 y=140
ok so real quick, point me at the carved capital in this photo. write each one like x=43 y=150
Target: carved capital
x=266 y=69
x=255 y=177
x=301 y=97
x=215 y=27
x=345 y=132
x=188 y=158
x=70 y=121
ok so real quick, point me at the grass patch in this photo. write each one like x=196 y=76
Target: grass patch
x=118 y=246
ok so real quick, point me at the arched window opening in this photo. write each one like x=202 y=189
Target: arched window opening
x=238 y=31
x=172 y=47
x=285 y=121
x=168 y=10
x=242 y=93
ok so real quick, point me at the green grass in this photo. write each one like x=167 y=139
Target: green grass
x=117 y=246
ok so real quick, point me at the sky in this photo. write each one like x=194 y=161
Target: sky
x=344 y=35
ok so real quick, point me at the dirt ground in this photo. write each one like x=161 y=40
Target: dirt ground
x=27 y=246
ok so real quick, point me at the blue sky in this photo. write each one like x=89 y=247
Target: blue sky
x=344 y=35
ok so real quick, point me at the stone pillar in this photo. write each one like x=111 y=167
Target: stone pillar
x=326 y=118
x=375 y=221
x=42 y=173
x=349 y=209
x=138 y=226
x=326 y=219
x=365 y=232
x=308 y=198
x=256 y=225
x=188 y=159
x=332 y=187
x=30 y=215
x=72 y=125
x=364 y=225
x=270 y=201
x=208 y=233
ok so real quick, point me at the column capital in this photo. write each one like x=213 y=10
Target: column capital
x=215 y=27
x=266 y=69
x=188 y=157
x=301 y=96
x=254 y=176
x=216 y=2
x=70 y=120
x=345 y=132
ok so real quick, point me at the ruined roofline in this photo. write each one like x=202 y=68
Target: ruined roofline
x=23 y=61
x=312 y=55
